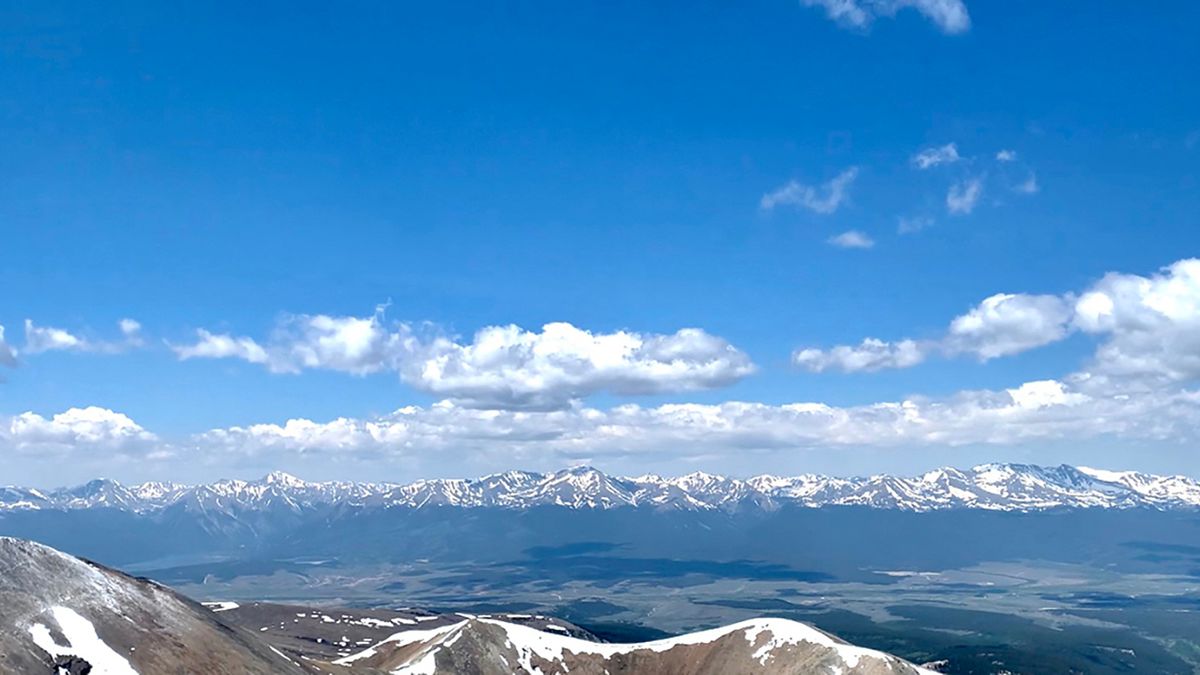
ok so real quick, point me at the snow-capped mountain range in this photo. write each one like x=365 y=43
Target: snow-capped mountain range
x=998 y=487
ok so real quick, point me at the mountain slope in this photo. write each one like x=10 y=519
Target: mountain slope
x=62 y=614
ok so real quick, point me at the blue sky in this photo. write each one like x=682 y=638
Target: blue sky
x=283 y=175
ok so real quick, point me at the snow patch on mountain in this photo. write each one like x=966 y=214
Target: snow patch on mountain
x=82 y=642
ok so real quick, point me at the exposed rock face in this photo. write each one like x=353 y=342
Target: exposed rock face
x=65 y=615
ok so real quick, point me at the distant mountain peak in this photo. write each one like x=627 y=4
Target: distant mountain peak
x=283 y=479
x=995 y=487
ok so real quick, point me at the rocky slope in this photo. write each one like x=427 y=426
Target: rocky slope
x=65 y=615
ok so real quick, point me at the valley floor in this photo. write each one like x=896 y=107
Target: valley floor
x=1019 y=616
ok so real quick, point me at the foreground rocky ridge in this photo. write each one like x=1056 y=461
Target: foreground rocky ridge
x=63 y=615
x=996 y=487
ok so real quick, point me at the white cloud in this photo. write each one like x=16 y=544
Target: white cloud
x=45 y=339
x=1137 y=386
x=92 y=429
x=823 y=199
x=503 y=367
x=223 y=346
x=949 y=15
x=1006 y=324
x=1151 y=325
x=8 y=357
x=1029 y=186
x=1045 y=394
x=931 y=157
x=132 y=330
x=869 y=356
x=1006 y=156
x=962 y=196
x=1002 y=325
x=1034 y=411
x=1037 y=411
x=913 y=225
x=851 y=239
x=1148 y=327
x=40 y=339
x=507 y=367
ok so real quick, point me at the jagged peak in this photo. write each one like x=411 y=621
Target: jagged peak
x=282 y=479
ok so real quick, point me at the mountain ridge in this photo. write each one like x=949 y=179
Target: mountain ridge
x=995 y=487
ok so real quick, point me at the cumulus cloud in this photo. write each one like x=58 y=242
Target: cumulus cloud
x=224 y=346
x=1007 y=323
x=44 y=339
x=949 y=15
x=1148 y=328
x=963 y=195
x=92 y=429
x=823 y=199
x=502 y=367
x=851 y=239
x=47 y=339
x=931 y=157
x=349 y=344
x=1002 y=325
x=869 y=356
x=508 y=367
x=1006 y=156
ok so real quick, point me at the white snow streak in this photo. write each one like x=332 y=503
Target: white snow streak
x=82 y=642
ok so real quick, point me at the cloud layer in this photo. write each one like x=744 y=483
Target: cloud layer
x=503 y=367
x=1037 y=411
x=514 y=395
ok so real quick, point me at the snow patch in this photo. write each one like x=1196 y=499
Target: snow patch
x=221 y=606
x=82 y=642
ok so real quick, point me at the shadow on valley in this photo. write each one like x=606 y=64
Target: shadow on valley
x=843 y=542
